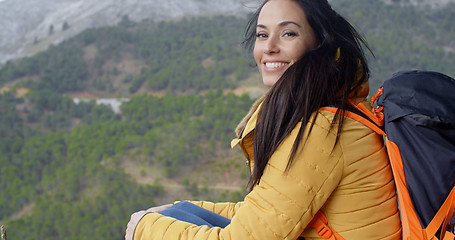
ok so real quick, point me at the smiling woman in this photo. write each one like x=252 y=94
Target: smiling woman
x=283 y=37
x=304 y=161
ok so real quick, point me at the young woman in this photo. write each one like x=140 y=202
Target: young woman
x=302 y=159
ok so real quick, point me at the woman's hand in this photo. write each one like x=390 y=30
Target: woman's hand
x=134 y=220
x=159 y=208
x=137 y=216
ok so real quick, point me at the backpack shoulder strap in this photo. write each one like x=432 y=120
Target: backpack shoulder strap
x=373 y=119
x=319 y=223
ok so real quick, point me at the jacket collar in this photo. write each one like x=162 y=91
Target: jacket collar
x=248 y=123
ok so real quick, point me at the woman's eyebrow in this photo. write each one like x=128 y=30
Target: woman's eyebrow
x=288 y=22
x=281 y=24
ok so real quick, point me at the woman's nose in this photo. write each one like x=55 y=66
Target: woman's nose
x=271 y=46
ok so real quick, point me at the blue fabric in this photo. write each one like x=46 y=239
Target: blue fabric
x=188 y=212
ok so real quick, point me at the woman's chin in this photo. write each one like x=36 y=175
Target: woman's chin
x=269 y=81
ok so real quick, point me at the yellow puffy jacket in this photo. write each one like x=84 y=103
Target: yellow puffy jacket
x=351 y=183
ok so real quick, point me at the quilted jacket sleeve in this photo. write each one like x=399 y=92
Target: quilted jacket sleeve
x=281 y=205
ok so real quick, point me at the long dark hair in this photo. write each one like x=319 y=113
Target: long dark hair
x=324 y=75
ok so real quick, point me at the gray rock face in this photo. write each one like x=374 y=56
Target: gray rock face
x=28 y=26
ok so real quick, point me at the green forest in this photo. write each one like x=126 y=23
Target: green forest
x=78 y=171
x=74 y=181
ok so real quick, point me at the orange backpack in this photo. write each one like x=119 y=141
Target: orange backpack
x=416 y=114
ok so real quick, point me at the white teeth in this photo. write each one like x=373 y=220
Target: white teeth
x=274 y=64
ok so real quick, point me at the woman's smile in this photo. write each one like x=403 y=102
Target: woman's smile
x=275 y=66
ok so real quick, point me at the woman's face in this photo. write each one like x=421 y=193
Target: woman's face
x=283 y=36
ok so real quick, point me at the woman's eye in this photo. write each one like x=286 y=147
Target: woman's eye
x=290 y=34
x=261 y=35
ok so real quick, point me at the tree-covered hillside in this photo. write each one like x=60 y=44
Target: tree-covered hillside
x=73 y=184
x=77 y=171
x=187 y=55
x=404 y=38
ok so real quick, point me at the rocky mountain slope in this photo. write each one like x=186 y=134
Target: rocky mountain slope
x=28 y=26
